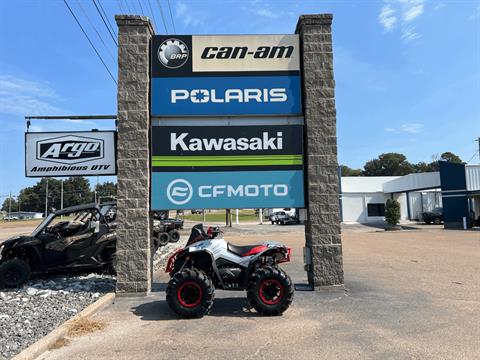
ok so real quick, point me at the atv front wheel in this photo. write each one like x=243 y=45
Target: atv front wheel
x=174 y=236
x=270 y=291
x=161 y=240
x=13 y=273
x=190 y=293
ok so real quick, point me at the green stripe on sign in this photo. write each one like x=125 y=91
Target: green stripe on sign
x=245 y=160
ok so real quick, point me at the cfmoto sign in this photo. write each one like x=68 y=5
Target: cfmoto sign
x=219 y=190
x=179 y=191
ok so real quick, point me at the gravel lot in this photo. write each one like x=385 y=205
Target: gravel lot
x=28 y=314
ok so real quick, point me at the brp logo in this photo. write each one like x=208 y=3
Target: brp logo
x=173 y=53
x=179 y=191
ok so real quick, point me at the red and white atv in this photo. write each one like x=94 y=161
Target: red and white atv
x=207 y=263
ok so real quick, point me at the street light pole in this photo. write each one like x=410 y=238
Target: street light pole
x=10 y=206
x=46 y=198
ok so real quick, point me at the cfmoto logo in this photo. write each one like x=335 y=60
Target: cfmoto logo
x=173 y=53
x=179 y=191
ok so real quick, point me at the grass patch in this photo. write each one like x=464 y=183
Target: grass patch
x=219 y=216
x=59 y=343
x=82 y=326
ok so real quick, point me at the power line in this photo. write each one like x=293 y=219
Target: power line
x=163 y=17
x=127 y=6
x=141 y=8
x=106 y=17
x=121 y=7
x=90 y=41
x=105 y=23
x=153 y=16
x=94 y=27
x=171 y=17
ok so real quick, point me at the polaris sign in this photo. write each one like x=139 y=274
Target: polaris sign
x=220 y=190
x=70 y=154
x=230 y=95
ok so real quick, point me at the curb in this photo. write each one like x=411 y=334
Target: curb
x=45 y=343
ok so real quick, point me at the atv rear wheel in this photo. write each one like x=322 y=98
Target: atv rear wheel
x=190 y=293
x=174 y=236
x=13 y=273
x=270 y=291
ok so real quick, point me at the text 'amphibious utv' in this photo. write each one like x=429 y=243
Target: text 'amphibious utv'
x=206 y=263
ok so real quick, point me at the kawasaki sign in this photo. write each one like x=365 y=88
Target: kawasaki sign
x=70 y=154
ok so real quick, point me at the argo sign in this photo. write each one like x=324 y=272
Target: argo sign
x=70 y=154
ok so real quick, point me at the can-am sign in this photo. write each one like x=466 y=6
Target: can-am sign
x=70 y=154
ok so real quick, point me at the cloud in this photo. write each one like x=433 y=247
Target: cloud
x=268 y=13
x=401 y=14
x=185 y=14
x=411 y=9
x=412 y=128
x=22 y=97
x=476 y=13
x=387 y=17
x=409 y=34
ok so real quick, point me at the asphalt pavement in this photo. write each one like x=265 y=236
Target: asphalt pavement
x=408 y=295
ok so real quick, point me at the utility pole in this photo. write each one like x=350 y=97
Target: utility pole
x=10 y=206
x=46 y=198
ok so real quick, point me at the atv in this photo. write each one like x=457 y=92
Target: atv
x=207 y=263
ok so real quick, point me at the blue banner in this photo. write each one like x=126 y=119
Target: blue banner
x=237 y=95
x=233 y=190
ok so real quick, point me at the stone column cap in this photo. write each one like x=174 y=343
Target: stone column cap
x=134 y=20
x=313 y=20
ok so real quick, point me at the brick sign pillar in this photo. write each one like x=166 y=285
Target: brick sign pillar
x=322 y=229
x=134 y=232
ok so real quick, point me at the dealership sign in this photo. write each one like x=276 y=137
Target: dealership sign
x=225 y=75
x=220 y=190
x=70 y=153
x=210 y=148
x=199 y=159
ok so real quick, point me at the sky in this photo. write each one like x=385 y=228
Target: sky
x=407 y=71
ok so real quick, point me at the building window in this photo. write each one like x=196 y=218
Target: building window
x=376 y=209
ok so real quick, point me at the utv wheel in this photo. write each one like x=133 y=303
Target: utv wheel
x=270 y=291
x=162 y=239
x=174 y=236
x=190 y=293
x=437 y=221
x=13 y=273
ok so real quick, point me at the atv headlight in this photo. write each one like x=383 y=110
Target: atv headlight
x=1 y=251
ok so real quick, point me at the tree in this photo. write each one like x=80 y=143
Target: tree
x=6 y=204
x=76 y=191
x=389 y=164
x=106 y=190
x=347 y=171
x=451 y=157
x=392 y=212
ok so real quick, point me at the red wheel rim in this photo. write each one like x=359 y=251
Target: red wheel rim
x=189 y=294
x=271 y=291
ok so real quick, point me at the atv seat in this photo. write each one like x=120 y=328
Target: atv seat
x=245 y=250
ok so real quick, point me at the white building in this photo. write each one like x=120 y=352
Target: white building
x=363 y=198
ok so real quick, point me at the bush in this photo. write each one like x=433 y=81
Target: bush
x=392 y=212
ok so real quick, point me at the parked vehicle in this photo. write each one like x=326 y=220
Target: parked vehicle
x=196 y=211
x=165 y=231
x=435 y=216
x=87 y=241
x=289 y=220
x=207 y=263
x=277 y=217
